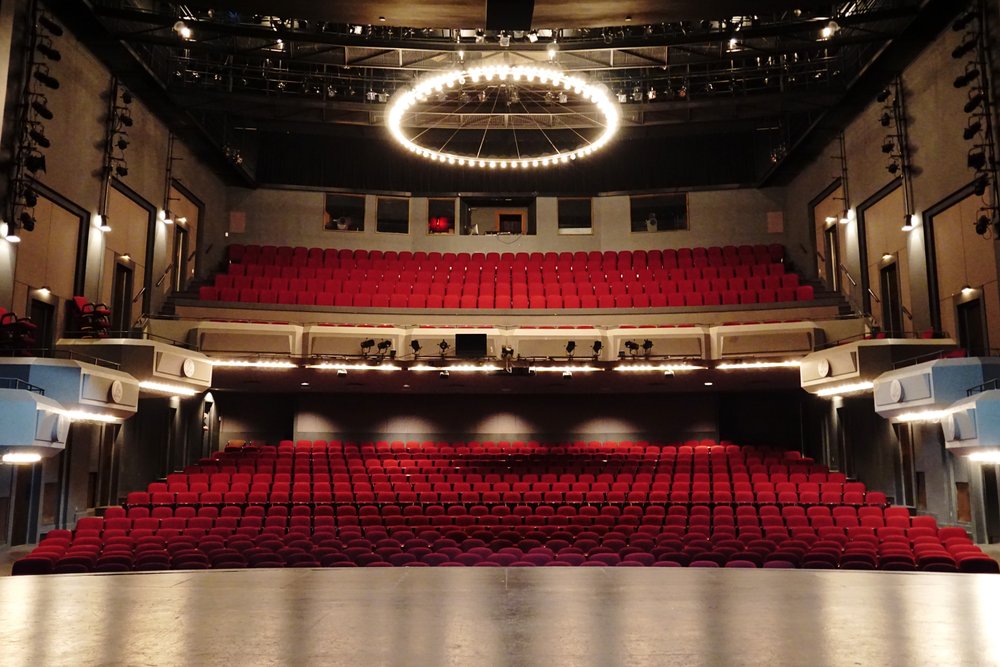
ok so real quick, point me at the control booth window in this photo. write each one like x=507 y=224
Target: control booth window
x=659 y=213
x=393 y=215
x=497 y=215
x=344 y=213
x=441 y=215
x=575 y=215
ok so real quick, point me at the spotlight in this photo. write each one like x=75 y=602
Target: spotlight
x=982 y=224
x=54 y=28
x=36 y=135
x=443 y=346
x=884 y=95
x=963 y=80
x=907 y=222
x=972 y=130
x=976 y=159
x=366 y=346
x=886 y=119
x=596 y=347
x=962 y=22
x=888 y=146
x=49 y=52
x=125 y=120
x=122 y=143
x=41 y=109
x=121 y=170
x=532 y=36
x=27 y=221
x=504 y=40
x=506 y=352
x=829 y=30
x=647 y=346
x=183 y=30
x=383 y=346
x=105 y=225
x=975 y=99
x=30 y=198
x=444 y=375
x=892 y=168
x=34 y=163
x=415 y=346
x=570 y=348
x=964 y=49
x=632 y=347
x=45 y=79
x=979 y=187
x=126 y=97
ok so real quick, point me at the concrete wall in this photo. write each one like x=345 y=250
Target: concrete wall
x=295 y=217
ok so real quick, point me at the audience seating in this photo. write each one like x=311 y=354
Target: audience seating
x=16 y=333
x=518 y=504
x=627 y=279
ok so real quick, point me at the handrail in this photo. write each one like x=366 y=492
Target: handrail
x=874 y=296
x=906 y=311
x=52 y=353
x=980 y=388
x=139 y=294
x=18 y=383
x=164 y=276
x=847 y=273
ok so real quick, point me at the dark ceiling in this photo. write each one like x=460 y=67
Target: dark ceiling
x=279 y=92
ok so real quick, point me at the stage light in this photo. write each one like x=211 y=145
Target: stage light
x=506 y=352
x=121 y=170
x=570 y=348
x=34 y=163
x=907 y=222
x=126 y=97
x=982 y=225
x=125 y=120
x=49 y=52
x=39 y=105
x=979 y=186
x=38 y=137
x=443 y=374
x=532 y=36
x=504 y=40
x=30 y=198
x=21 y=458
x=122 y=143
x=888 y=146
x=367 y=345
x=443 y=346
x=383 y=346
x=886 y=119
x=45 y=79
x=27 y=221
x=972 y=130
x=975 y=99
x=596 y=347
x=183 y=30
x=963 y=80
x=884 y=95
x=567 y=375
x=892 y=168
x=647 y=346
x=976 y=159
x=415 y=346
x=103 y=223
x=632 y=347
x=964 y=49
x=54 y=28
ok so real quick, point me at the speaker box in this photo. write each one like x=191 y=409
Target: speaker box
x=509 y=14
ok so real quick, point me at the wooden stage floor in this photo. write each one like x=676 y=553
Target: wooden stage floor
x=503 y=617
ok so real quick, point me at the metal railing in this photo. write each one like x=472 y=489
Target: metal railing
x=17 y=383
x=980 y=388
x=53 y=353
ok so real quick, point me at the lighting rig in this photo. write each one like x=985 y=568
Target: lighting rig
x=896 y=143
x=40 y=53
x=119 y=119
x=975 y=51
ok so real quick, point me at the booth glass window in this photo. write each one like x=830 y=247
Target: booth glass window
x=344 y=213
x=393 y=215
x=659 y=213
x=575 y=216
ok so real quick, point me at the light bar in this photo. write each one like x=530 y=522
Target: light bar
x=20 y=458
x=354 y=367
x=846 y=389
x=556 y=80
x=259 y=363
x=922 y=416
x=658 y=368
x=164 y=388
x=988 y=456
x=456 y=368
x=754 y=365
x=564 y=369
x=82 y=416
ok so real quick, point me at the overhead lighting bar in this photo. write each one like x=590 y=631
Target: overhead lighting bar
x=922 y=416
x=564 y=369
x=754 y=365
x=164 y=388
x=20 y=458
x=456 y=368
x=853 y=388
x=557 y=81
x=657 y=368
x=354 y=367
x=259 y=363
x=989 y=456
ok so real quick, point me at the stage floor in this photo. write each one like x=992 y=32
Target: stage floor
x=500 y=616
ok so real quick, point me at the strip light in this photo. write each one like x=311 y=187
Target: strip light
x=922 y=416
x=456 y=368
x=846 y=389
x=754 y=365
x=565 y=369
x=21 y=458
x=661 y=368
x=259 y=363
x=164 y=388
x=597 y=94
x=95 y=417
x=355 y=367
x=989 y=456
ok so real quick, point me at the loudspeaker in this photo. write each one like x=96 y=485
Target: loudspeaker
x=509 y=14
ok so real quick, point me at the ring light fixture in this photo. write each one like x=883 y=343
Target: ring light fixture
x=555 y=80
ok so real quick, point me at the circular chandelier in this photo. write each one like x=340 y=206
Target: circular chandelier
x=523 y=91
